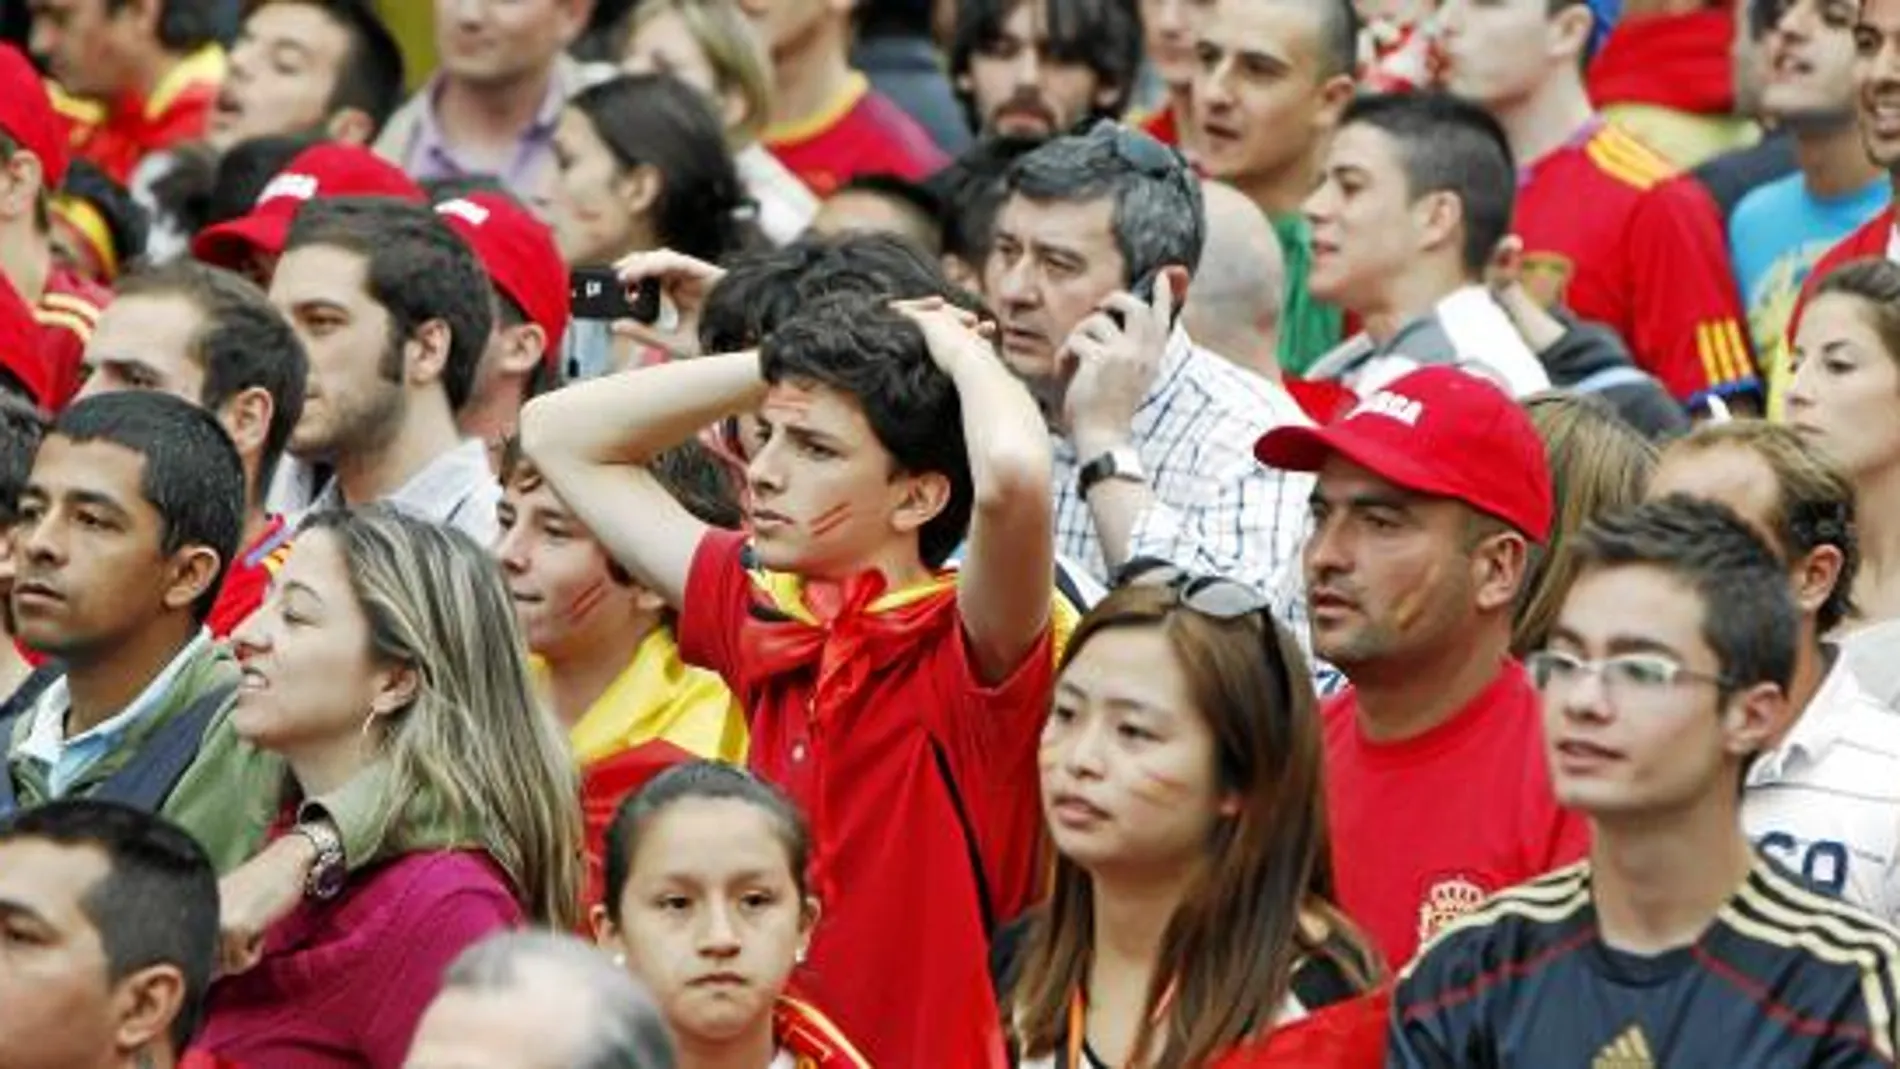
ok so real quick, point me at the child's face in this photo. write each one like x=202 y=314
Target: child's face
x=557 y=572
x=825 y=501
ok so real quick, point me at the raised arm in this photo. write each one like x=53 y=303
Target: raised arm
x=592 y=439
x=1008 y=568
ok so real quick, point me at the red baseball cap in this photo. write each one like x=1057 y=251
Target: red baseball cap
x=27 y=116
x=20 y=353
x=1436 y=431
x=331 y=169
x=518 y=252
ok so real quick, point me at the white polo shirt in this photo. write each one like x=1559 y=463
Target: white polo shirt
x=1826 y=802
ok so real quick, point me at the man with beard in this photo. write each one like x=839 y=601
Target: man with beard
x=1035 y=69
x=394 y=311
x=1779 y=230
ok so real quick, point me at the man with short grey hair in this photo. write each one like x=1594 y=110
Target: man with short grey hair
x=1095 y=244
x=540 y=1000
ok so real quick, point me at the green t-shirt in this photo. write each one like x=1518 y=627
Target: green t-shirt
x=1309 y=329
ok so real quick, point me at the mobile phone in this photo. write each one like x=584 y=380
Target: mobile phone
x=598 y=293
x=1143 y=289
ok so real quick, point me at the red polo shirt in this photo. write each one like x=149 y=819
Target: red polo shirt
x=1424 y=829
x=924 y=770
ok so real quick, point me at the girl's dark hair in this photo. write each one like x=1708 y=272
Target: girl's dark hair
x=709 y=780
x=1229 y=952
x=660 y=121
x=1877 y=283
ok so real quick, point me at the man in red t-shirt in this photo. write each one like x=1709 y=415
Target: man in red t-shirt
x=1610 y=228
x=214 y=339
x=828 y=125
x=140 y=80
x=899 y=704
x=1432 y=494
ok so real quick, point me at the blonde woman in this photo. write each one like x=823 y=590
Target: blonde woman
x=387 y=661
x=712 y=46
x=1598 y=464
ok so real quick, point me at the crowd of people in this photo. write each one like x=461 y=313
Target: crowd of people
x=1065 y=534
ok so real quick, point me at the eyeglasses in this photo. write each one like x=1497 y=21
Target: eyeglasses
x=1624 y=676
x=1140 y=151
x=1213 y=596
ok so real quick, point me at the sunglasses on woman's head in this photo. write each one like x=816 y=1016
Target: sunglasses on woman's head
x=1210 y=595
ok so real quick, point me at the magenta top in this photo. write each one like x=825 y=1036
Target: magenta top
x=344 y=982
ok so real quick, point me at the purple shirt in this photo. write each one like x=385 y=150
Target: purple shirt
x=429 y=154
x=345 y=982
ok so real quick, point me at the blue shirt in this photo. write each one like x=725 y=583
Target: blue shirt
x=1775 y=236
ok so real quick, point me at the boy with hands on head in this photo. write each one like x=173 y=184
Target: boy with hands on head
x=897 y=703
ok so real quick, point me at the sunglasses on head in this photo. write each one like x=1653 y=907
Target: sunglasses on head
x=1139 y=150
x=1212 y=596
x=1219 y=598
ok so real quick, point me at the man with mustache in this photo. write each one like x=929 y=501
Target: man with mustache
x=1034 y=69
x=1431 y=495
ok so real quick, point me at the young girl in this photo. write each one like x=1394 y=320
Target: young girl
x=1189 y=924
x=387 y=661
x=707 y=904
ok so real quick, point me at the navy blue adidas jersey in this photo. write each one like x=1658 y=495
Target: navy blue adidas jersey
x=1784 y=979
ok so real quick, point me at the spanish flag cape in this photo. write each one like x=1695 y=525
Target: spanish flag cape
x=848 y=631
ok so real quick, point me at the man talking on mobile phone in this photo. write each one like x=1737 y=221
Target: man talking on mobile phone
x=1152 y=433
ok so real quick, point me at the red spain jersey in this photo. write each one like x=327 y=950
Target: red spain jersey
x=1613 y=232
x=118 y=135
x=861 y=133
x=1426 y=828
x=66 y=312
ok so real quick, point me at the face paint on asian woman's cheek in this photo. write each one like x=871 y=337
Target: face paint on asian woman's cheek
x=1158 y=788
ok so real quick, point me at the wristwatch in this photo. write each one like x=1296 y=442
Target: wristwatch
x=1121 y=462
x=325 y=878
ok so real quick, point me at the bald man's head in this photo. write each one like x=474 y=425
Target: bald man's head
x=1233 y=308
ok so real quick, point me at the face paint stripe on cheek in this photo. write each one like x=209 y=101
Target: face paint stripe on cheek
x=831 y=519
x=587 y=600
x=1155 y=787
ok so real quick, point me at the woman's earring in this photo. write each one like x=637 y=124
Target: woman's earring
x=799 y=957
x=620 y=959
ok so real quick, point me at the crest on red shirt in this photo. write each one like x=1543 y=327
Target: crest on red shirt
x=1546 y=277
x=1447 y=900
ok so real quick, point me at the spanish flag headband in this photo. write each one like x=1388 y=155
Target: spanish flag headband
x=83 y=216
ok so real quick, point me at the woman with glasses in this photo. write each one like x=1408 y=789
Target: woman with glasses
x=1190 y=922
x=387 y=663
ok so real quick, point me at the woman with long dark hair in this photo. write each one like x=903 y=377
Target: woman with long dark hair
x=644 y=165
x=1190 y=923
